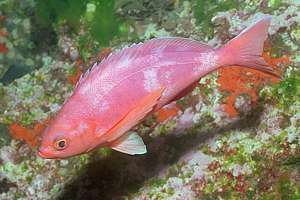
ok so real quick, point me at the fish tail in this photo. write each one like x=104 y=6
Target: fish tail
x=246 y=49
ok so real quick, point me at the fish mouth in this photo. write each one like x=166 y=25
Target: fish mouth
x=45 y=154
x=41 y=155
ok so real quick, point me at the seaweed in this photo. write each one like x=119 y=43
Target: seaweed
x=287 y=92
x=98 y=15
x=106 y=24
x=54 y=10
x=205 y=10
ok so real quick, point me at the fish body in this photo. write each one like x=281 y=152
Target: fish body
x=118 y=93
x=119 y=83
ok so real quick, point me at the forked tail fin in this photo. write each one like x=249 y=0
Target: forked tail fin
x=246 y=48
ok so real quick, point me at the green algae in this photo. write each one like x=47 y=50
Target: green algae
x=18 y=41
x=287 y=92
x=107 y=24
x=47 y=12
x=31 y=175
x=104 y=152
x=99 y=17
x=4 y=136
x=259 y=161
x=204 y=11
x=261 y=155
x=39 y=94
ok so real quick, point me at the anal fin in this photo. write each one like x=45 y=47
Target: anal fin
x=130 y=144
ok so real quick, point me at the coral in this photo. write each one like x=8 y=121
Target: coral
x=30 y=136
x=77 y=71
x=246 y=163
x=15 y=42
x=33 y=177
x=242 y=157
x=104 y=53
x=3 y=49
x=285 y=93
x=197 y=152
x=151 y=31
x=75 y=75
x=239 y=81
x=33 y=97
x=167 y=112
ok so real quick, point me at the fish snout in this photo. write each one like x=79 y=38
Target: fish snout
x=45 y=153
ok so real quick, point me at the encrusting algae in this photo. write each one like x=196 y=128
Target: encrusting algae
x=252 y=159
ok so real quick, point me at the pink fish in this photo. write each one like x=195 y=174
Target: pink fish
x=121 y=91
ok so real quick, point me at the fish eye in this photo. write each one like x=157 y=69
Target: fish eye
x=60 y=144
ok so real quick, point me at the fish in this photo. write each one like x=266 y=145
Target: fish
x=118 y=93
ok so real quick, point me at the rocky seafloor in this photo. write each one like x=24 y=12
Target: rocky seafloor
x=236 y=136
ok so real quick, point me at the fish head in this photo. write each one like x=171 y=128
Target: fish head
x=63 y=139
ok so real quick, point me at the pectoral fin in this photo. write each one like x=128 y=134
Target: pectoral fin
x=134 y=116
x=130 y=144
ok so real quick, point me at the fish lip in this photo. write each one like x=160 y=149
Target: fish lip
x=46 y=155
x=42 y=155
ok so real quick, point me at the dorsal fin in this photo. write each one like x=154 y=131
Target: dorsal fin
x=173 y=42
x=153 y=46
x=102 y=64
x=84 y=75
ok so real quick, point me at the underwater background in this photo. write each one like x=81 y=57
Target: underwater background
x=236 y=136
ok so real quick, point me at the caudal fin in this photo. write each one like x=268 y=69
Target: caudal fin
x=246 y=48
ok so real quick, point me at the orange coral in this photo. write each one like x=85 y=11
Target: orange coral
x=236 y=80
x=103 y=54
x=30 y=136
x=3 y=33
x=3 y=48
x=72 y=79
x=167 y=112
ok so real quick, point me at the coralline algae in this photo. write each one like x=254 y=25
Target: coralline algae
x=200 y=153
